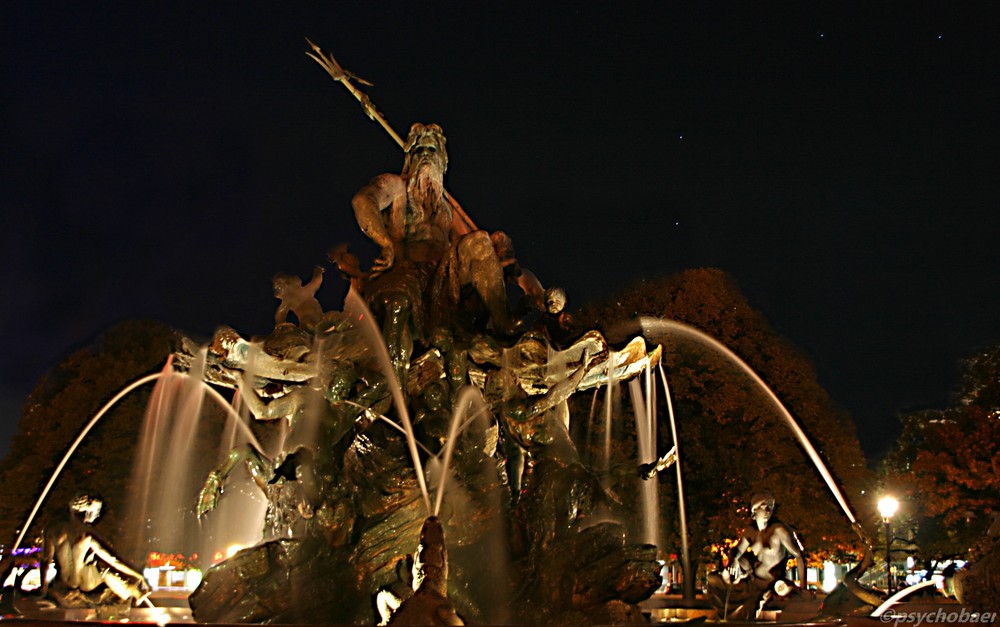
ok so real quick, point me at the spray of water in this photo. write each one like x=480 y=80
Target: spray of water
x=355 y=308
x=467 y=397
x=386 y=420
x=896 y=598
x=662 y=328
x=681 y=506
x=647 y=453
x=93 y=422
x=609 y=411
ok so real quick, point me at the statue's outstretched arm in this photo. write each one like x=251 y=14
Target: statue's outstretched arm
x=791 y=544
x=563 y=390
x=735 y=570
x=651 y=469
x=113 y=561
x=368 y=205
x=317 y=279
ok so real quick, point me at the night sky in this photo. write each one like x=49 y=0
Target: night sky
x=838 y=160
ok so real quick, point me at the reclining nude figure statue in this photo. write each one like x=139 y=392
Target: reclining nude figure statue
x=426 y=260
x=85 y=564
x=757 y=566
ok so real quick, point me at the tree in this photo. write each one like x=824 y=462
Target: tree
x=732 y=439
x=947 y=463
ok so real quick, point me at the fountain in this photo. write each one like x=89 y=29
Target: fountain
x=362 y=502
x=424 y=472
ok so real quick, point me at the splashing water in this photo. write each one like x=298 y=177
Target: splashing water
x=163 y=480
x=355 y=308
x=648 y=495
x=166 y=373
x=681 y=503
x=609 y=401
x=661 y=328
x=467 y=398
x=896 y=598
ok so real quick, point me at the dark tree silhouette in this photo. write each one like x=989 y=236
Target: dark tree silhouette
x=946 y=463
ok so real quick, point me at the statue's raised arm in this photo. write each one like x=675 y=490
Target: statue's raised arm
x=384 y=193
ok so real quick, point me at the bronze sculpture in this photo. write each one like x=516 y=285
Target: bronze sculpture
x=426 y=259
x=438 y=291
x=757 y=564
x=89 y=572
x=298 y=299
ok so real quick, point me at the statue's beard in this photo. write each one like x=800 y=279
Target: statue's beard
x=425 y=186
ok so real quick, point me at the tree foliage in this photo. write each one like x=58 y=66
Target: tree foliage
x=733 y=440
x=947 y=463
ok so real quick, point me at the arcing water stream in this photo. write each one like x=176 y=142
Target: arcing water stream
x=167 y=372
x=660 y=328
x=471 y=405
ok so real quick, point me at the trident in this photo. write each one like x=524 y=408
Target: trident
x=461 y=221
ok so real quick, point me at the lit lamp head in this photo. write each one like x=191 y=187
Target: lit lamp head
x=887 y=506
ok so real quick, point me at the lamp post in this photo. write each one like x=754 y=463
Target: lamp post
x=887 y=506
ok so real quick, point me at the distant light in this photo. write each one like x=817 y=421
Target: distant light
x=192 y=579
x=233 y=550
x=887 y=506
x=829 y=576
x=162 y=617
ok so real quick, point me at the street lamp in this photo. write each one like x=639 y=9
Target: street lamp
x=887 y=506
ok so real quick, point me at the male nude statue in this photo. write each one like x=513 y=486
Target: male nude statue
x=83 y=562
x=747 y=582
x=423 y=250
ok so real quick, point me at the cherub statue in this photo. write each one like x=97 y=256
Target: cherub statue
x=89 y=573
x=298 y=299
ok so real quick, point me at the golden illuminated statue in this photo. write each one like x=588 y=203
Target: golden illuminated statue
x=757 y=566
x=89 y=573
